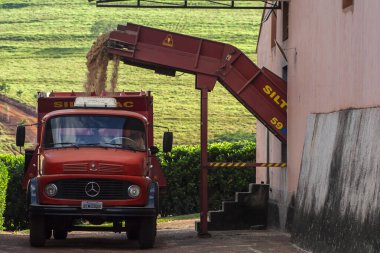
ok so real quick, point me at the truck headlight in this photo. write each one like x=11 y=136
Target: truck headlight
x=134 y=191
x=51 y=190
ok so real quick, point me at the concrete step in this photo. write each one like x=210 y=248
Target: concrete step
x=229 y=206
x=242 y=196
x=249 y=211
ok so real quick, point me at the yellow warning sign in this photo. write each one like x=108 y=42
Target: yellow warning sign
x=168 y=41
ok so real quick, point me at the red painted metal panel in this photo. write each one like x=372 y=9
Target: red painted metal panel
x=57 y=101
x=156 y=173
x=130 y=101
x=259 y=90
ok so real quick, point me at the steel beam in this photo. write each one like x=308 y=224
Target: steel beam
x=192 y=4
x=205 y=84
x=204 y=168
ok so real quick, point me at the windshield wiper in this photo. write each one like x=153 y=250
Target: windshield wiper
x=122 y=146
x=113 y=144
x=71 y=144
x=89 y=144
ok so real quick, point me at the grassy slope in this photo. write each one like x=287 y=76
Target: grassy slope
x=6 y=141
x=43 y=46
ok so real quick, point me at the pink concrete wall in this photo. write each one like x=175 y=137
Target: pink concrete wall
x=273 y=60
x=333 y=64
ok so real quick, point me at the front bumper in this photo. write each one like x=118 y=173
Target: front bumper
x=53 y=210
x=36 y=209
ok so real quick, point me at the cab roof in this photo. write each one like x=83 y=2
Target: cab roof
x=85 y=111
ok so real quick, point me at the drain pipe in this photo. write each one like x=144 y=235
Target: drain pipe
x=268 y=156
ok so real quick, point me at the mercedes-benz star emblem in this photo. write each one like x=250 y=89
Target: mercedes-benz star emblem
x=92 y=189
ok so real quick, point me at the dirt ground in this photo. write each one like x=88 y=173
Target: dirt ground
x=173 y=236
x=11 y=115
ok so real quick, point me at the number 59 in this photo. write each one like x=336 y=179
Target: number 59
x=277 y=123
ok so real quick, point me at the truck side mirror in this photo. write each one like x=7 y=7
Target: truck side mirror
x=20 y=136
x=153 y=150
x=167 y=142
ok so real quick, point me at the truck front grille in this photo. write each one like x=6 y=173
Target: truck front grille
x=105 y=168
x=101 y=168
x=75 y=168
x=100 y=189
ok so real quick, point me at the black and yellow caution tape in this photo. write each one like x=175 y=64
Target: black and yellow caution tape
x=228 y=165
x=242 y=164
x=271 y=165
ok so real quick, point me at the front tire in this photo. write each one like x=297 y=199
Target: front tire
x=37 y=234
x=147 y=232
x=133 y=229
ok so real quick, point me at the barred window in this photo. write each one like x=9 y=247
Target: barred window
x=347 y=3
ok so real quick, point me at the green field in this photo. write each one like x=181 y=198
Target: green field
x=6 y=141
x=43 y=46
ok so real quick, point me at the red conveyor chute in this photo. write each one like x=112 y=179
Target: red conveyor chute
x=259 y=90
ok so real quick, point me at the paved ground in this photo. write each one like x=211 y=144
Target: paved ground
x=171 y=237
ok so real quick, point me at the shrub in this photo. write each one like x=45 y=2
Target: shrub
x=3 y=188
x=15 y=217
x=19 y=93
x=4 y=87
x=233 y=137
x=181 y=168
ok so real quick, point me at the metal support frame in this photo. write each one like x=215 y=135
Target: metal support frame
x=204 y=164
x=264 y=97
x=205 y=84
x=192 y=4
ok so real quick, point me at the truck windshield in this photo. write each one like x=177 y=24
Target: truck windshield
x=96 y=131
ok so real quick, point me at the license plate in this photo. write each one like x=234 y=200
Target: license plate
x=92 y=205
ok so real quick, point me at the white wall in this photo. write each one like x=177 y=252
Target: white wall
x=333 y=64
x=338 y=197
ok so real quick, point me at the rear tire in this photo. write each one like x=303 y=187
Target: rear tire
x=59 y=234
x=147 y=232
x=37 y=234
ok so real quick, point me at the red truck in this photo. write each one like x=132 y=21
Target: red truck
x=94 y=162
